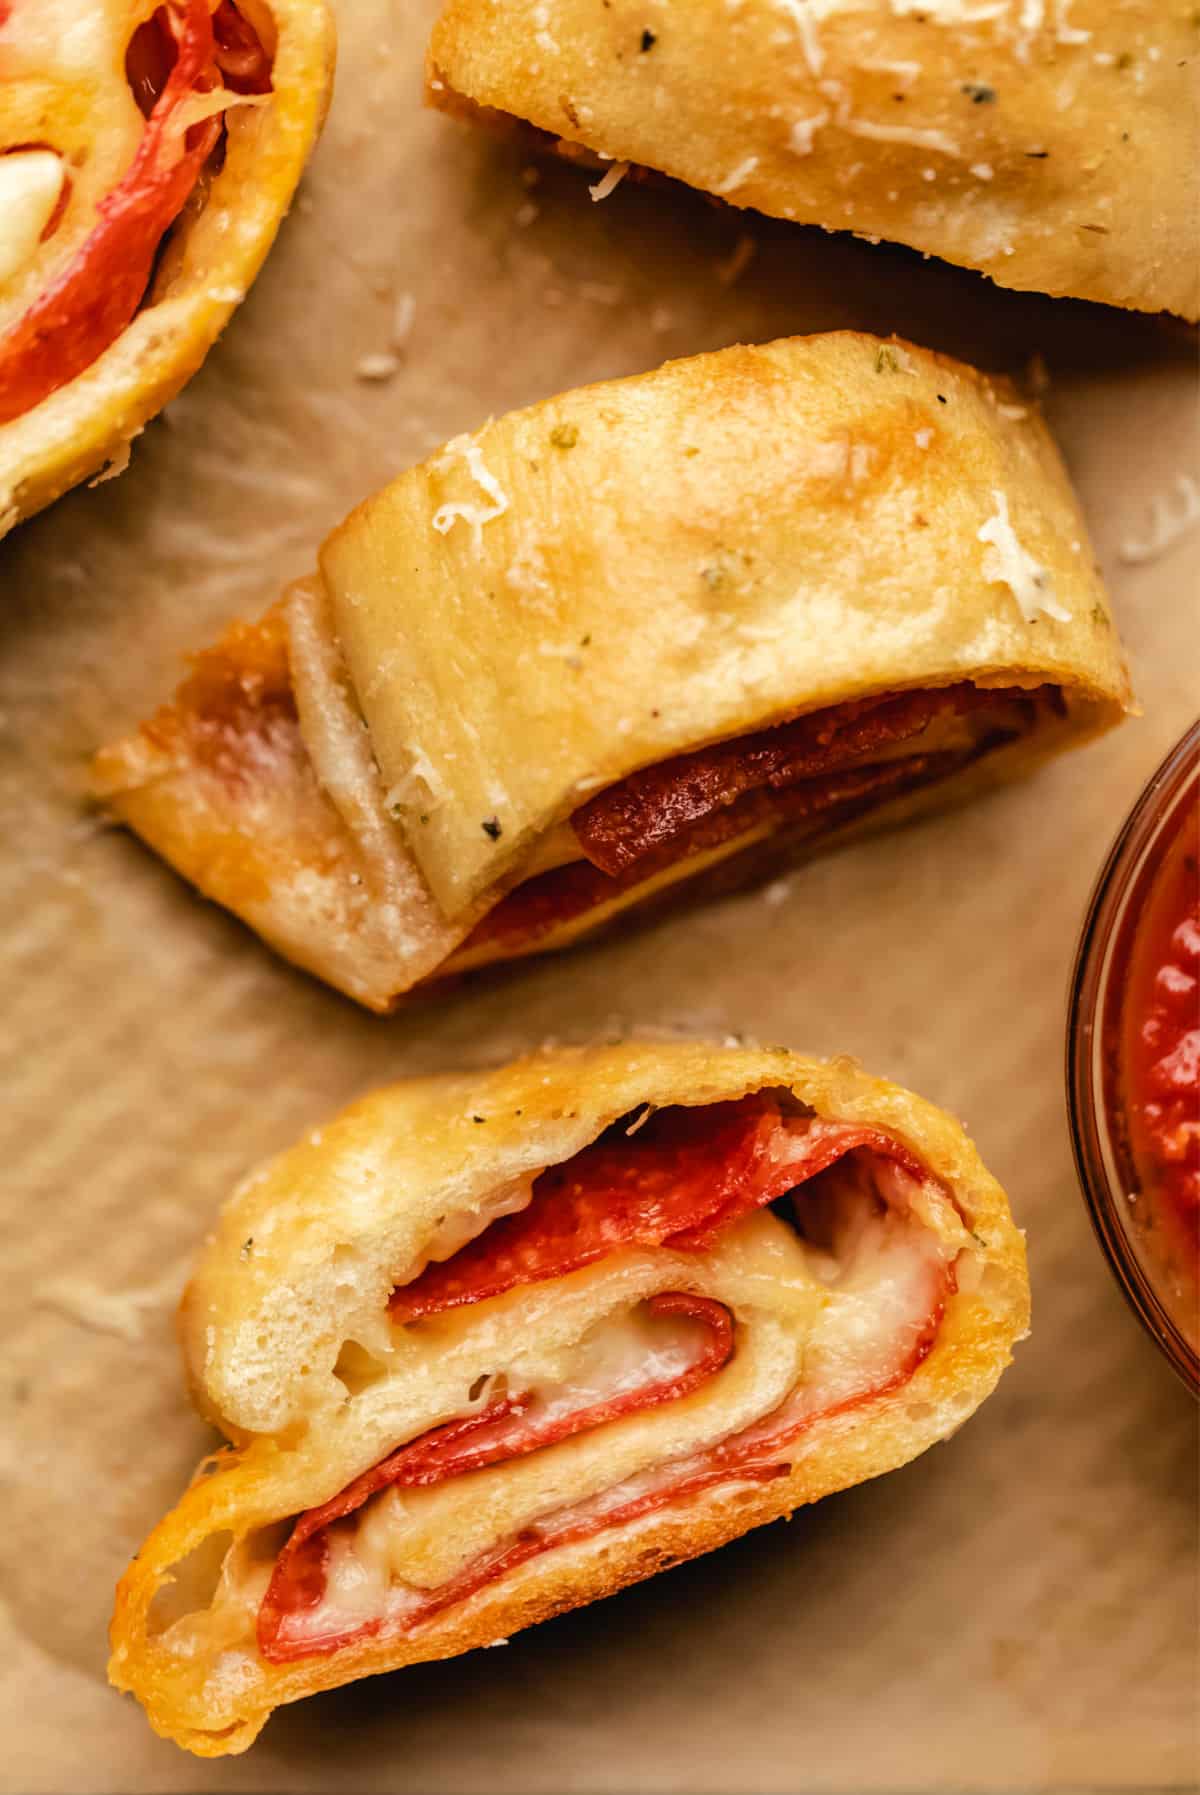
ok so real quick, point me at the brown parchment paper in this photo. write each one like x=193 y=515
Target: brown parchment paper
x=1016 y=1611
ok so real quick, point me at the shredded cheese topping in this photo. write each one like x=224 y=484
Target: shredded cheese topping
x=609 y=182
x=1009 y=563
x=800 y=11
x=475 y=515
x=862 y=127
x=1030 y=19
x=30 y=184
x=737 y=176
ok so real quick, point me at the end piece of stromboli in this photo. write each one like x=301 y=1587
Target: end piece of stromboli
x=147 y=156
x=649 y=639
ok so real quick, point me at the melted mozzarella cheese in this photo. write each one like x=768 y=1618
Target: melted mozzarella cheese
x=823 y=1317
x=884 y=1288
x=31 y=182
x=63 y=87
x=461 y=1226
x=627 y=1351
x=531 y=1334
x=883 y=1277
x=574 y=1341
x=434 y=1534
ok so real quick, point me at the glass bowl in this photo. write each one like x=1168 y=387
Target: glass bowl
x=1148 y=1245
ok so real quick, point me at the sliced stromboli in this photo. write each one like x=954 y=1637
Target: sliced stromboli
x=1051 y=144
x=147 y=154
x=650 y=637
x=492 y=1346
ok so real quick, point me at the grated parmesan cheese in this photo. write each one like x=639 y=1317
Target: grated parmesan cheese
x=474 y=515
x=919 y=139
x=801 y=14
x=953 y=12
x=905 y=72
x=31 y=182
x=1064 y=31
x=738 y=176
x=526 y=572
x=610 y=181
x=1026 y=20
x=380 y=366
x=402 y=320
x=1009 y=563
x=804 y=130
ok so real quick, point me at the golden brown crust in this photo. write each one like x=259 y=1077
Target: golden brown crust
x=215 y=254
x=810 y=522
x=396 y=1158
x=1051 y=146
x=803 y=528
x=220 y=784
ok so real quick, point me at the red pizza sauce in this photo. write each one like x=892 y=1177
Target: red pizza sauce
x=1151 y=1056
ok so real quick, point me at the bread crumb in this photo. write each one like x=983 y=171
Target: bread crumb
x=116 y=464
x=377 y=367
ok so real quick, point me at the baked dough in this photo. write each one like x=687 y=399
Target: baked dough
x=864 y=1329
x=64 y=87
x=612 y=582
x=1051 y=144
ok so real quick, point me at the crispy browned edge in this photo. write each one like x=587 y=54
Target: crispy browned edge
x=973 y=1346
x=91 y=420
x=161 y=785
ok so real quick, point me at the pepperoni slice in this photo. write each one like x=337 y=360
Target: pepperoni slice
x=679 y=1179
x=647 y=824
x=551 y=899
x=244 y=62
x=89 y=305
x=754 y=1456
x=508 y=1428
x=751 y=1457
x=622 y=826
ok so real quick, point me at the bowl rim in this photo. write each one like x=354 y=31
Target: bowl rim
x=1152 y=809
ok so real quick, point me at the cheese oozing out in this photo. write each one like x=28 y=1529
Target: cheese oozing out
x=828 y=1308
x=31 y=183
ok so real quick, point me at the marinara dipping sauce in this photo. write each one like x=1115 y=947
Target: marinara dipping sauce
x=1134 y=1057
